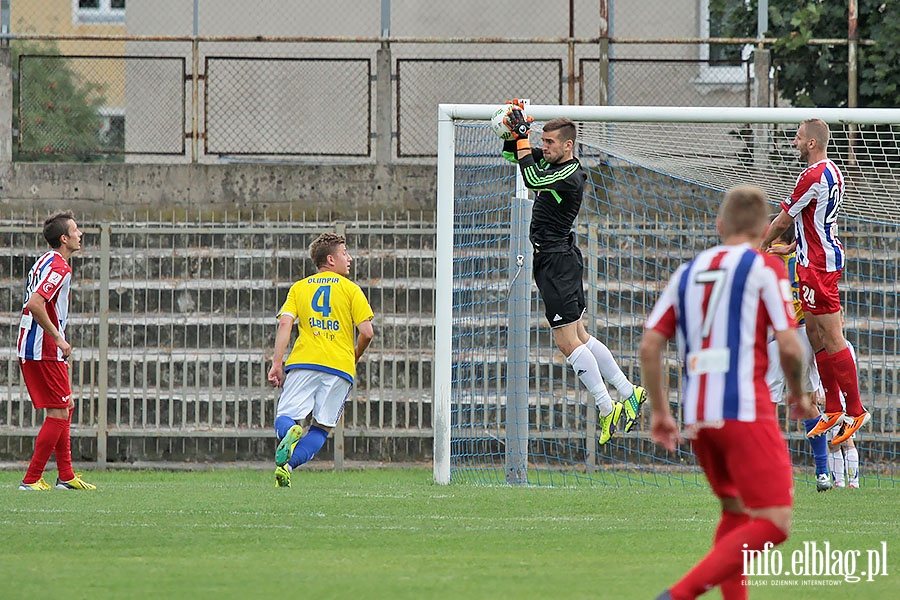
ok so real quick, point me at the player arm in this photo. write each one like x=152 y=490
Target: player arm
x=282 y=339
x=364 y=337
x=776 y=228
x=653 y=343
x=663 y=428
x=509 y=151
x=37 y=307
x=660 y=327
x=557 y=178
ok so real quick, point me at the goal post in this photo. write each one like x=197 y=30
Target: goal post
x=506 y=408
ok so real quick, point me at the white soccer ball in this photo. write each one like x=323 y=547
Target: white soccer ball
x=499 y=126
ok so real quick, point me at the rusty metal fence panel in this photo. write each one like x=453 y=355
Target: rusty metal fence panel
x=287 y=106
x=422 y=84
x=663 y=81
x=71 y=107
x=293 y=98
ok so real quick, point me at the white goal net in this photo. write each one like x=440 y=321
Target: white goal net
x=507 y=407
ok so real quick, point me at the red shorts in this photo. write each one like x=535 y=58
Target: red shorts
x=47 y=382
x=749 y=461
x=819 y=290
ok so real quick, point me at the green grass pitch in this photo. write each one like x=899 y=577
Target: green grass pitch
x=393 y=533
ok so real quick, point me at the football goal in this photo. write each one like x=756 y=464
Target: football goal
x=507 y=408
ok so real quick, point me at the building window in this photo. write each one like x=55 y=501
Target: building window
x=98 y=11
x=112 y=131
x=723 y=63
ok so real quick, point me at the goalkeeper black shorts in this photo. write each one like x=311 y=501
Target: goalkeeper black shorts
x=558 y=278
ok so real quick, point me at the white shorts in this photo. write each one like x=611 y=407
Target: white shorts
x=306 y=391
x=775 y=376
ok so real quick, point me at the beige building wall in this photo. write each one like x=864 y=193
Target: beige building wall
x=60 y=17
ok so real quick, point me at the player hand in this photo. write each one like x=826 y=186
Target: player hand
x=664 y=430
x=66 y=348
x=517 y=103
x=518 y=123
x=782 y=250
x=799 y=407
x=276 y=376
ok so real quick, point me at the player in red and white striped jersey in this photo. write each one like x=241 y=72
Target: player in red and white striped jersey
x=721 y=307
x=50 y=278
x=813 y=209
x=42 y=349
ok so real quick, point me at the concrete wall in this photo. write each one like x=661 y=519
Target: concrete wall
x=106 y=190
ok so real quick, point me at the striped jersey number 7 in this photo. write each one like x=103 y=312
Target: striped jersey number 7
x=717 y=278
x=321 y=300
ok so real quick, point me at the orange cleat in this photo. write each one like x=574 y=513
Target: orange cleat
x=850 y=428
x=826 y=422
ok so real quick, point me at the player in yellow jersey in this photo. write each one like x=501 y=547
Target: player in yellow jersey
x=785 y=247
x=319 y=372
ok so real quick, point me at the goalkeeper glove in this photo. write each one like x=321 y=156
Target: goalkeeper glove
x=518 y=123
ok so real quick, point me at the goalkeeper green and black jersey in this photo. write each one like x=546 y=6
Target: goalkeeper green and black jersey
x=559 y=188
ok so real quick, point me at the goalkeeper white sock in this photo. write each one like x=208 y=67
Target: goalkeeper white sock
x=588 y=372
x=609 y=368
x=836 y=465
x=852 y=466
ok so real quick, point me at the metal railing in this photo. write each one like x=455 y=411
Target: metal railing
x=173 y=326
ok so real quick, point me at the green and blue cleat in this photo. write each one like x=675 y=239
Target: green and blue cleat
x=633 y=407
x=287 y=444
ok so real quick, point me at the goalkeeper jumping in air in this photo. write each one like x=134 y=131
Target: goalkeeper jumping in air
x=557 y=179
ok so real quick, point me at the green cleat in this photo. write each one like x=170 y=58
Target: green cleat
x=608 y=423
x=283 y=476
x=286 y=446
x=74 y=484
x=633 y=407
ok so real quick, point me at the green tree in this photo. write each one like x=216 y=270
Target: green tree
x=56 y=111
x=816 y=75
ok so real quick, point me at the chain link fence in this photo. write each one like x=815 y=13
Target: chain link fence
x=300 y=104
x=213 y=81
x=423 y=83
x=73 y=107
x=293 y=106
